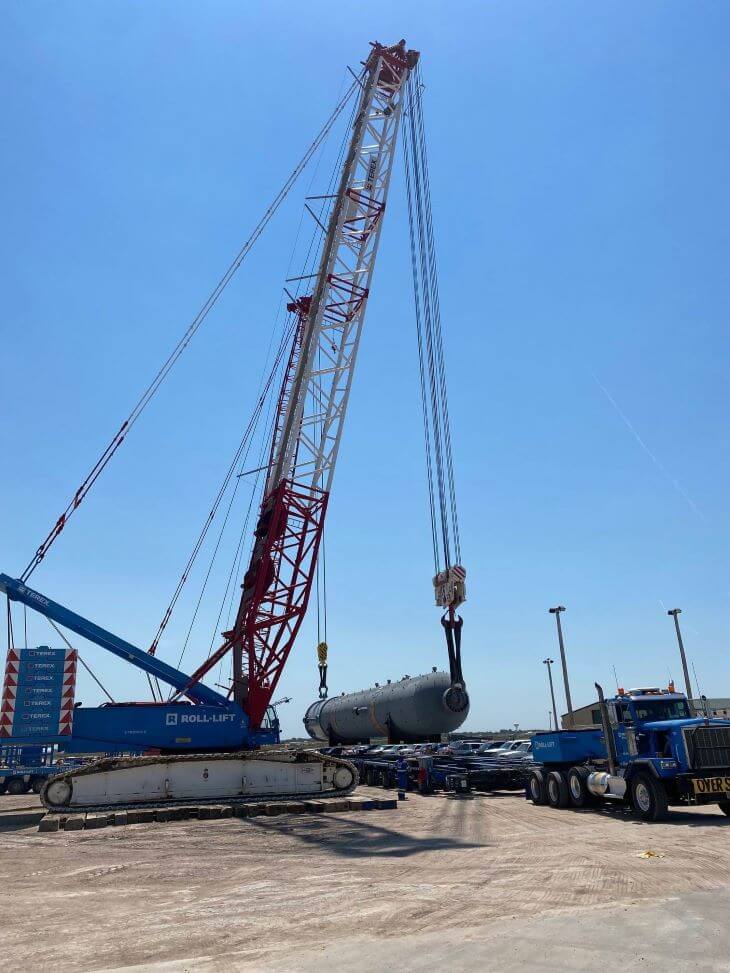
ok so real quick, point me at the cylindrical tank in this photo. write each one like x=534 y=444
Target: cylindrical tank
x=417 y=708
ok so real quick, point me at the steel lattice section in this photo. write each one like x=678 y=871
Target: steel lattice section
x=338 y=306
x=314 y=397
x=280 y=600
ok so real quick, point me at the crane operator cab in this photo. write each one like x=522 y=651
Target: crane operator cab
x=270 y=723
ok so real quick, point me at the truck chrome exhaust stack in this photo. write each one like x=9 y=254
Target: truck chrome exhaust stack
x=601 y=784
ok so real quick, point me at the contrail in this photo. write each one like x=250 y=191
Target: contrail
x=660 y=466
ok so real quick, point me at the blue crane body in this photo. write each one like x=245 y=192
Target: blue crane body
x=210 y=722
x=650 y=751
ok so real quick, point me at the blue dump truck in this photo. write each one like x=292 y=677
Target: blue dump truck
x=650 y=751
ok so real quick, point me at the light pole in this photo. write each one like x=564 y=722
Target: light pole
x=548 y=663
x=675 y=612
x=556 y=611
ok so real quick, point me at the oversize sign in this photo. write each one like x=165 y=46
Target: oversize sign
x=38 y=694
x=712 y=785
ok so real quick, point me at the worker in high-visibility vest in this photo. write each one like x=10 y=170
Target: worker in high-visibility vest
x=402 y=774
x=425 y=763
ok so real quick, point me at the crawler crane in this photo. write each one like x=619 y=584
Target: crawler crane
x=199 y=744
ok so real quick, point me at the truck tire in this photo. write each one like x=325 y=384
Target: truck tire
x=36 y=784
x=558 y=794
x=725 y=807
x=16 y=785
x=536 y=787
x=580 y=796
x=648 y=797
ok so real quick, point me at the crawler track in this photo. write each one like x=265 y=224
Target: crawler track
x=108 y=764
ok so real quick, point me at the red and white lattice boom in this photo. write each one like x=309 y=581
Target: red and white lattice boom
x=314 y=396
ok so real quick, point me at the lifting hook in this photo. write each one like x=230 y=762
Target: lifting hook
x=452 y=624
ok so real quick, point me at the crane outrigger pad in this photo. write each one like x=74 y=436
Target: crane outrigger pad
x=117 y=783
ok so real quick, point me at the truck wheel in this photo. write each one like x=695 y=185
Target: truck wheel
x=725 y=807
x=580 y=796
x=36 y=784
x=16 y=785
x=536 y=787
x=648 y=797
x=558 y=794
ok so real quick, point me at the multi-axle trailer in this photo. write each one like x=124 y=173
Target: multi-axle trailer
x=27 y=768
x=429 y=774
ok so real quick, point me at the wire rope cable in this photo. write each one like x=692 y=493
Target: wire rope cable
x=429 y=332
x=182 y=344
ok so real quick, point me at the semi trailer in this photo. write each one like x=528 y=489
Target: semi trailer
x=650 y=752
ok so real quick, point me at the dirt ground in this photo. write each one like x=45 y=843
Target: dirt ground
x=261 y=893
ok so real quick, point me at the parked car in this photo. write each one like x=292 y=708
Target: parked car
x=502 y=748
x=421 y=749
x=518 y=753
x=488 y=745
x=461 y=748
x=387 y=750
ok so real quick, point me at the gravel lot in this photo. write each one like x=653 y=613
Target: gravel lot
x=323 y=891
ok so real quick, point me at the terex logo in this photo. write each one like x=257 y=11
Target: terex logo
x=29 y=593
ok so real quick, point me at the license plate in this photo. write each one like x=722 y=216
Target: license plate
x=711 y=785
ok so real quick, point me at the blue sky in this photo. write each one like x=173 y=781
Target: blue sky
x=579 y=157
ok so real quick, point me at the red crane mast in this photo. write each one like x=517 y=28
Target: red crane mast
x=314 y=396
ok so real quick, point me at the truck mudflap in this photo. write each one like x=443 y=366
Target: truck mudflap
x=162 y=780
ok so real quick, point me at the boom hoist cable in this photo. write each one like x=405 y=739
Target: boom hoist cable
x=239 y=456
x=182 y=344
x=449 y=574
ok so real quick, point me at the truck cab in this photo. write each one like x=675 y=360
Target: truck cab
x=658 y=753
x=658 y=727
x=648 y=723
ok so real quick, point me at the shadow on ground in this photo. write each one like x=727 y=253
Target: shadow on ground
x=357 y=839
x=686 y=818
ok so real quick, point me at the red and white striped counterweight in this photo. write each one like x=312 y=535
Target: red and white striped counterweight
x=38 y=693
